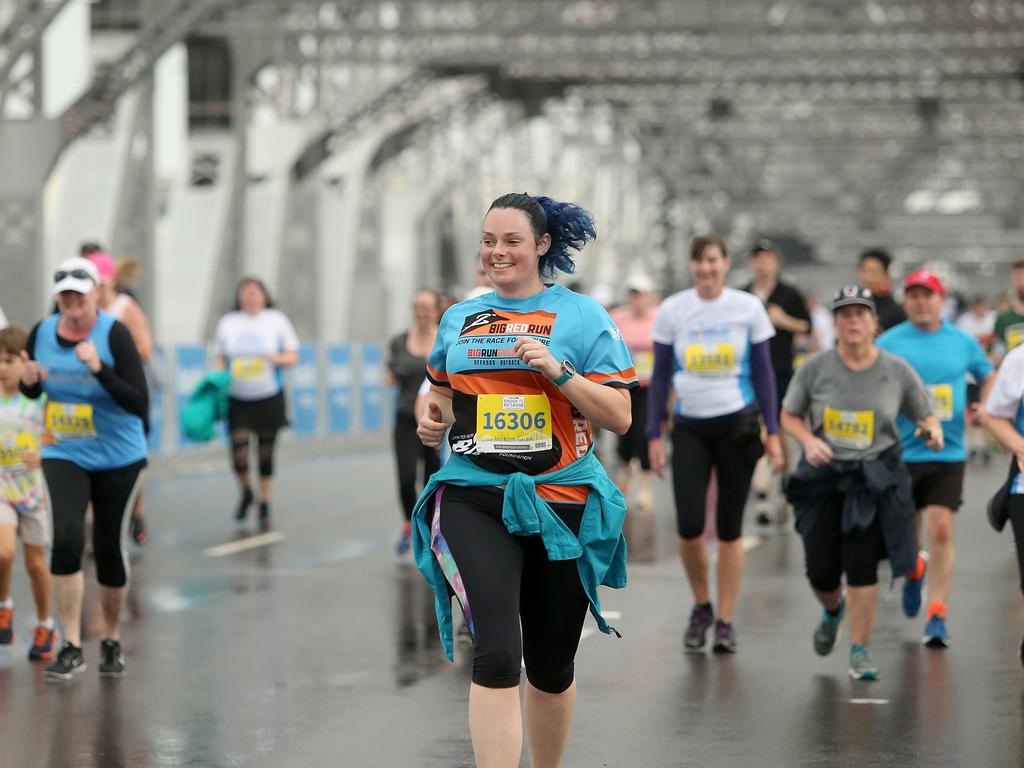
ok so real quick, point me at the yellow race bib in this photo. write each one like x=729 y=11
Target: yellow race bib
x=942 y=401
x=13 y=448
x=1014 y=336
x=643 y=364
x=710 y=359
x=513 y=423
x=248 y=368
x=70 y=421
x=850 y=429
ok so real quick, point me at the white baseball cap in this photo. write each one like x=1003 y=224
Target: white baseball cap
x=639 y=282
x=76 y=274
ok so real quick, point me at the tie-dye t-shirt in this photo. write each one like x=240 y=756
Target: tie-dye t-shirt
x=21 y=430
x=508 y=416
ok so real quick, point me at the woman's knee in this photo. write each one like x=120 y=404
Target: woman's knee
x=550 y=677
x=497 y=668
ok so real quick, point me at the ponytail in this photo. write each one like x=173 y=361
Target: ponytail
x=569 y=225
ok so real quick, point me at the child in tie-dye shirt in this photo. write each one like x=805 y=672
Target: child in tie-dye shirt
x=23 y=509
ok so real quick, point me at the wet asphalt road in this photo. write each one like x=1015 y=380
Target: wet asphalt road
x=320 y=649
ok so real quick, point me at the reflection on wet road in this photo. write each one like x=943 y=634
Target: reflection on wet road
x=315 y=647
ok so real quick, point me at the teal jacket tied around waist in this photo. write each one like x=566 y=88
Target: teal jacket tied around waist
x=599 y=550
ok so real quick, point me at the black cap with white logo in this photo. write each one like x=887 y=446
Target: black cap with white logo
x=850 y=295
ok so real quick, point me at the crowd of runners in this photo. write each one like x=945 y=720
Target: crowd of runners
x=855 y=416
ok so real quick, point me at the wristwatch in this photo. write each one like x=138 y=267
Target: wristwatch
x=567 y=373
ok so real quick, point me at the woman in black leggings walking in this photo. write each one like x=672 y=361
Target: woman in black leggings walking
x=406 y=368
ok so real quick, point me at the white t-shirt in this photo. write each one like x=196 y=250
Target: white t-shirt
x=246 y=341
x=1007 y=396
x=3 y=319
x=978 y=327
x=823 y=325
x=711 y=341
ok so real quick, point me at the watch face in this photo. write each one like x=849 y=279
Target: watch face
x=568 y=367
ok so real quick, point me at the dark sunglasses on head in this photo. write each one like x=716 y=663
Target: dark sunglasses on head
x=78 y=274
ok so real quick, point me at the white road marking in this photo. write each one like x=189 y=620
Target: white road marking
x=611 y=615
x=251 y=542
x=869 y=701
x=749 y=542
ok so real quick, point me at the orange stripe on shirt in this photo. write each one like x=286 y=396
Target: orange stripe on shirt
x=627 y=376
x=436 y=376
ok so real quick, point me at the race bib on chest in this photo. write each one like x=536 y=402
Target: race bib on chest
x=643 y=363
x=248 y=368
x=1014 y=336
x=13 y=448
x=513 y=423
x=850 y=429
x=70 y=421
x=710 y=359
x=942 y=401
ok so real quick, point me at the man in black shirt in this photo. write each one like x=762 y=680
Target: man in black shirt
x=873 y=274
x=786 y=308
x=789 y=315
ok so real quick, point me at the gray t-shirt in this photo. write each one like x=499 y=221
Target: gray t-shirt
x=855 y=411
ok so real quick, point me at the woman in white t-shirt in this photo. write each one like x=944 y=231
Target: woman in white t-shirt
x=711 y=347
x=255 y=343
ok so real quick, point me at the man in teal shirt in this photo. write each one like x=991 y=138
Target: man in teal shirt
x=943 y=356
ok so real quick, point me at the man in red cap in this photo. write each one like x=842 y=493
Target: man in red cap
x=943 y=356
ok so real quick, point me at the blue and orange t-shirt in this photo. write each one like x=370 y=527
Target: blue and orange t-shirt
x=509 y=417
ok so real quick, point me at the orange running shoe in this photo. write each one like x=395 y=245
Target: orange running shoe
x=6 y=626
x=44 y=644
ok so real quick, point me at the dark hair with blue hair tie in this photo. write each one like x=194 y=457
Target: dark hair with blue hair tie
x=570 y=226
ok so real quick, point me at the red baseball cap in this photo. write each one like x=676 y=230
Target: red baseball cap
x=925 y=279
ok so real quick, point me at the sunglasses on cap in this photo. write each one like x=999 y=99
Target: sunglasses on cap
x=78 y=274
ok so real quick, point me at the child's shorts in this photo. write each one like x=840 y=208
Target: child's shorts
x=33 y=525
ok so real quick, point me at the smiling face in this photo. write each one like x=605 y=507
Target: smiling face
x=78 y=307
x=855 y=325
x=510 y=253
x=709 y=270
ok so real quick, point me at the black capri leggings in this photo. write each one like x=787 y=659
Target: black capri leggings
x=112 y=493
x=633 y=444
x=266 y=442
x=409 y=452
x=510 y=583
x=731 y=444
x=829 y=553
x=1016 y=503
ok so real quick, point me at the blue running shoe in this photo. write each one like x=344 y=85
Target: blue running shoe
x=935 y=634
x=912 y=589
x=862 y=666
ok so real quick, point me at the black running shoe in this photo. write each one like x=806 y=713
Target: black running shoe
x=69 y=662
x=243 y=504
x=701 y=619
x=111 y=659
x=264 y=516
x=725 y=638
x=138 y=530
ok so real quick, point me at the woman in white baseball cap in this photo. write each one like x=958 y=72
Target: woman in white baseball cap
x=87 y=365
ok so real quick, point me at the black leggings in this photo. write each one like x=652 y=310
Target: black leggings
x=1016 y=503
x=829 y=553
x=266 y=442
x=510 y=584
x=112 y=493
x=409 y=452
x=731 y=444
x=633 y=444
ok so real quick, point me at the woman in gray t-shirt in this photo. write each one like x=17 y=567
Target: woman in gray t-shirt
x=851 y=397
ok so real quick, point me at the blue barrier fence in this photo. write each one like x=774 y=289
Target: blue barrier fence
x=333 y=390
